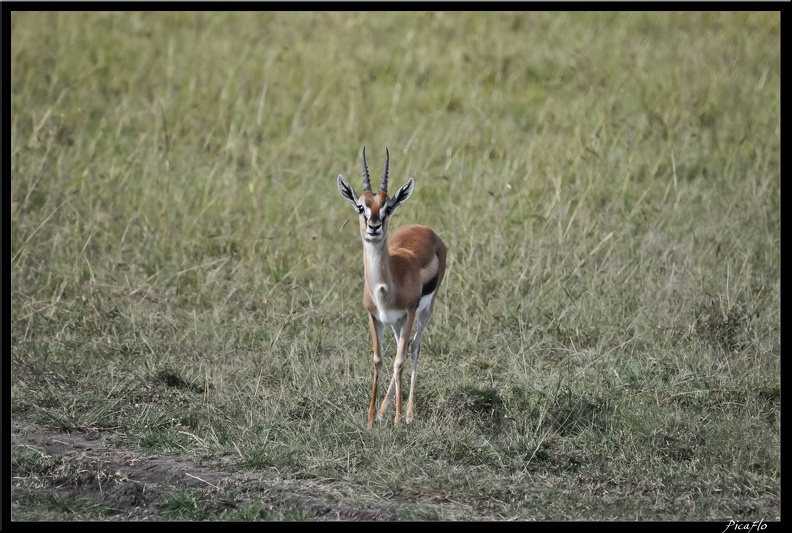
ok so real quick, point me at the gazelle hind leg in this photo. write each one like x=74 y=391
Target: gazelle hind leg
x=423 y=319
x=385 y=405
x=398 y=366
x=376 y=341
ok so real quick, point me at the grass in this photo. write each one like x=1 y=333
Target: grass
x=193 y=506
x=606 y=344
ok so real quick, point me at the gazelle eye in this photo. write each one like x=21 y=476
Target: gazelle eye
x=360 y=209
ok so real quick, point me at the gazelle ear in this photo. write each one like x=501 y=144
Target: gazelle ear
x=401 y=195
x=347 y=191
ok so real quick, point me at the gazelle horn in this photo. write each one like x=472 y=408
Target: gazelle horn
x=366 y=179
x=384 y=183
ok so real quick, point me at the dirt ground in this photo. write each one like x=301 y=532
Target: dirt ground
x=131 y=483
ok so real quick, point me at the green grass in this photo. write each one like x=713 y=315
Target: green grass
x=193 y=506
x=606 y=342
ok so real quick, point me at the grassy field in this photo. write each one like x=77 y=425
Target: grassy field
x=184 y=281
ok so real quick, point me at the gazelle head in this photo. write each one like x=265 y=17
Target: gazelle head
x=374 y=209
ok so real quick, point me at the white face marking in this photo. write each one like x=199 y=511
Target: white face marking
x=365 y=216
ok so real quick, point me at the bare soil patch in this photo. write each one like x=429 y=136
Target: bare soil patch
x=132 y=483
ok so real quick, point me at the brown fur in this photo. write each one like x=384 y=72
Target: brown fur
x=410 y=249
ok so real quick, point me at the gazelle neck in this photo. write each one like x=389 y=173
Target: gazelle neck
x=376 y=262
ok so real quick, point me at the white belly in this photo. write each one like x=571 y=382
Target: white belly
x=390 y=316
x=425 y=301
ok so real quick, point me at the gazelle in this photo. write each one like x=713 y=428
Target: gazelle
x=402 y=278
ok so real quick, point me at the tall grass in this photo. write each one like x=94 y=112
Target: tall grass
x=606 y=344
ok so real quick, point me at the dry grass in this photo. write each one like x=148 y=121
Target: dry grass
x=606 y=344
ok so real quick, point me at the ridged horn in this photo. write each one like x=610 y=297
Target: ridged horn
x=384 y=182
x=366 y=178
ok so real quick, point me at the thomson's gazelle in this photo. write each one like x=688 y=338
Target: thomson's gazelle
x=402 y=278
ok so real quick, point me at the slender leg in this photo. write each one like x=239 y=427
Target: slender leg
x=423 y=320
x=385 y=406
x=398 y=364
x=376 y=341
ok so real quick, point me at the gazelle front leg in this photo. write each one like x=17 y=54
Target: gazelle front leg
x=398 y=366
x=376 y=342
x=385 y=406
